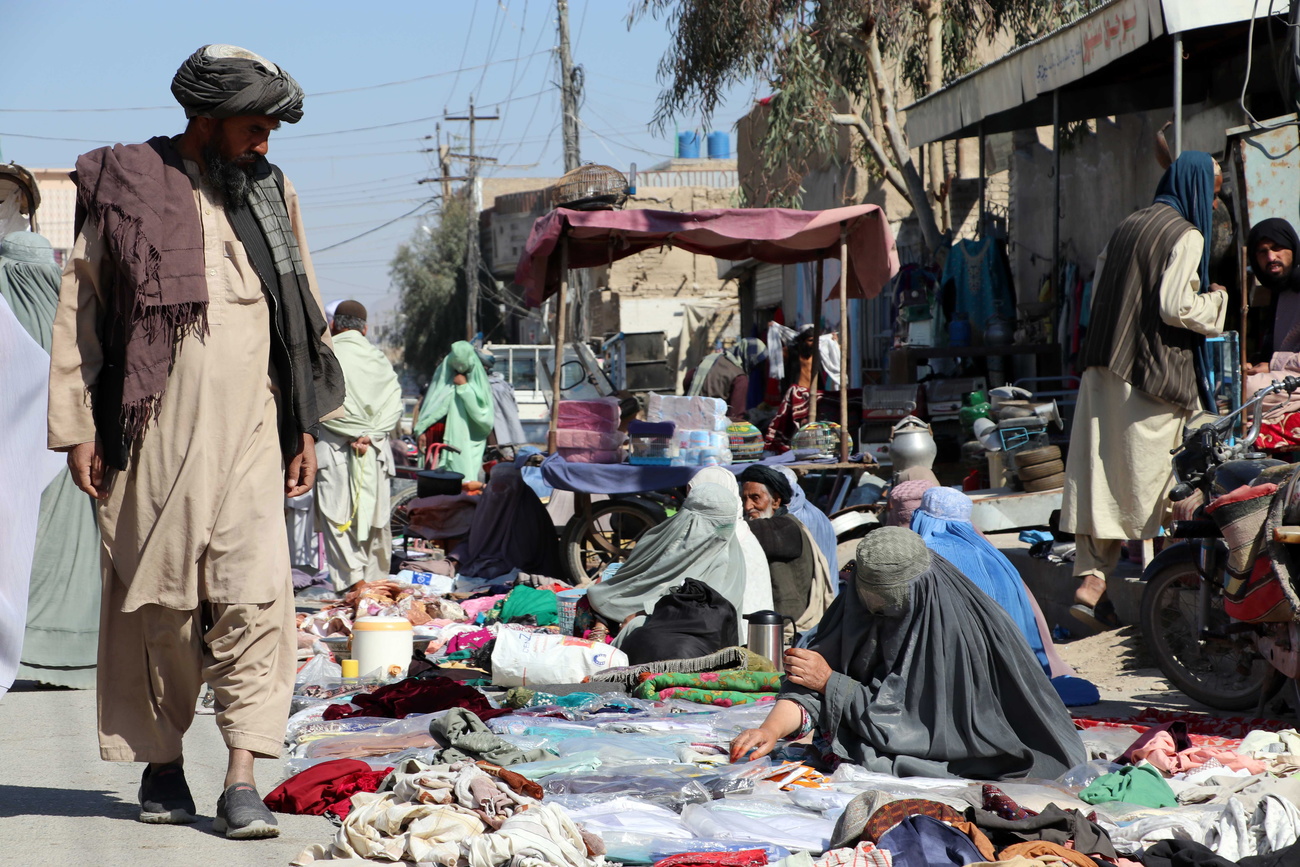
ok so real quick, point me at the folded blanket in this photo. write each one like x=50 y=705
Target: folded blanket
x=720 y=688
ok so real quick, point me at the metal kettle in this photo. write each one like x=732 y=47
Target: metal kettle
x=767 y=636
x=912 y=445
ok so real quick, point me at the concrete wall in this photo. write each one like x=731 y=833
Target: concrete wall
x=1107 y=175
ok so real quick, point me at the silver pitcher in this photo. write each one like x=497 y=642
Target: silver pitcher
x=767 y=636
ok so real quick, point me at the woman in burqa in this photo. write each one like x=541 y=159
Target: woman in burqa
x=758 y=575
x=461 y=396
x=698 y=542
x=919 y=673
x=511 y=530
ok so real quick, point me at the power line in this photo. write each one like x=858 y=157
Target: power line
x=375 y=229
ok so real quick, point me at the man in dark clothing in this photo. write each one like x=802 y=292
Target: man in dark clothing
x=1272 y=246
x=801 y=586
x=725 y=375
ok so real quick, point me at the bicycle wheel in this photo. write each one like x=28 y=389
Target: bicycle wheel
x=401 y=494
x=1225 y=673
x=589 y=545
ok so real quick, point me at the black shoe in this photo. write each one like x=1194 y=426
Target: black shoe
x=165 y=797
x=241 y=815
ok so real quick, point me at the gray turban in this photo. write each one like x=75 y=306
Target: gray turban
x=227 y=81
x=888 y=561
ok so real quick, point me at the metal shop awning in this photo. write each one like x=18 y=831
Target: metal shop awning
x=1091 y=66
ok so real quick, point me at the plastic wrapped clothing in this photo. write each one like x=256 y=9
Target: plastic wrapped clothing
x=758 y=575
x=930 y=677
x=467 y=410
x=819 y=526
x=698 y=542
x=511 y=530
x=62 y=635
x=943 y=521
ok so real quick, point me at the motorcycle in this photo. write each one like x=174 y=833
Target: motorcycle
x=1189 y=595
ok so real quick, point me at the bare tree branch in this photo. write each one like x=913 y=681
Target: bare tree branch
x=891 y=172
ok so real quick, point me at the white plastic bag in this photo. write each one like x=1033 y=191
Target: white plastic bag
x=538 y=658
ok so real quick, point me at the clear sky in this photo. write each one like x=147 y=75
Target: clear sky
x=356 y=155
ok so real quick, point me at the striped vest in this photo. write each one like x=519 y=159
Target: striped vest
x=1125 y=332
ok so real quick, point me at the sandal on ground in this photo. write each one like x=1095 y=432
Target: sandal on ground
x=1100 y=616
x=165 y=797
x=241 y=815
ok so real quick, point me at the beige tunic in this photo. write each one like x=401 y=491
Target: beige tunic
x=192 y=516
x=1118 y=471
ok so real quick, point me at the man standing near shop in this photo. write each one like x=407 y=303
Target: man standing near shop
x=190 y=364
x=1140 y=383
x=356 y=464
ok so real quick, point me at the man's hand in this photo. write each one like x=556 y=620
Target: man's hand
x=86 y=463
x=1215 y=287
x=361 y=445
x=1257 y=367
x=755 y=743
x=807 y=668
x=301 y=474
x=459 y=379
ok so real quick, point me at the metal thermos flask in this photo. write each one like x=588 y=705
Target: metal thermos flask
x=767 y=636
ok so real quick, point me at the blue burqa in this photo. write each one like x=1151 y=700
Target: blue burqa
x=817 y=523
x=943 y=521
x=1188 y=188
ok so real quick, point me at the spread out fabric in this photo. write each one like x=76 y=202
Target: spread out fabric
x=720 y=688
x=410 y=696
x=464 y=737
x=943 y=521
x=523 y=601
x=466 y=409
x=1169 y=749
x=326 y=787
x=930 y=677
x=1053 y=824
x=743 y=858
x=511 y=530
x=61 y=639
x=920 y=841
x=692 y=619
x=698 y=542
x=1137 y=784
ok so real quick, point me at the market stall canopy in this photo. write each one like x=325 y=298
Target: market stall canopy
x=777 y=235
x=1094 y=62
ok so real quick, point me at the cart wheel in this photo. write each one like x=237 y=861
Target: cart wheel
x=608 y=536
x=401 y=494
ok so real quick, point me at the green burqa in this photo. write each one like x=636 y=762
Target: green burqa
x=62 y=636
x=467 y=410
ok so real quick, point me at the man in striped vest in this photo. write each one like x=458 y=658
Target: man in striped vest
x=1152 y=307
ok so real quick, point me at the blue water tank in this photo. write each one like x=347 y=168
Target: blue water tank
x=688 y=145
x=719 y=145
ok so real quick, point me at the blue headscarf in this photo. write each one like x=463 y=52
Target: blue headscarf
x=943 y=521
x=819 y=526
x=1188 y=188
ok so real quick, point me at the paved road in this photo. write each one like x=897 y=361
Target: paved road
x=61 y=805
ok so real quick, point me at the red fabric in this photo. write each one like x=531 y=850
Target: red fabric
x=743 y=858
x=327 y=787
x=1281 y=435
x=1241 y=495
x=410 y=696
x=1262 y=599
x=1202 y=730
x=775 y=235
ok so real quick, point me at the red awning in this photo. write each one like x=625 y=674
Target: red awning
x=778 y=235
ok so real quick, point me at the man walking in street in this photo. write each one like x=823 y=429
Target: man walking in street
x=356 y=464
x=1140 y=384
x=190 y=365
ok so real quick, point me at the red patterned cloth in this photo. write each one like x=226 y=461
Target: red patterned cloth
x=1282 y=435
x=999 y=803
x=406 y=697
x=327 y=787
x=743 y=858
x=1203 y=730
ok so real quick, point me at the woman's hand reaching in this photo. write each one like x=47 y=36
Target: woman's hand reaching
x=754 y=742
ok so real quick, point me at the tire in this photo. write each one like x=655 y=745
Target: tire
x=1047 y=483
x=587 y=547
x=1041 y=471
x=1031 y=457
x=400 y=495
x=1208 y=670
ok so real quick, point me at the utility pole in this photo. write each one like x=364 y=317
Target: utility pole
x=472 y=253
x=570 y=88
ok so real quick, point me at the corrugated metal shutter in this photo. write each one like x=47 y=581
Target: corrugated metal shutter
x=769 y=286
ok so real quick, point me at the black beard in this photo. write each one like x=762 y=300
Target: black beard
x=230 y=180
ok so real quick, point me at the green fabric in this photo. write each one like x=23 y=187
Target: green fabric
x=465 y=737
x=372 y=406
x=1137 y=784
x=524 y=600
x=723 y=688
x=521 y=697
x=467 y=410
x=61 y=640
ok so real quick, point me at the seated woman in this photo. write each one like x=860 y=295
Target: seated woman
x=918 y=673
x=758 y=576
x=511 y=530
x=698 y=542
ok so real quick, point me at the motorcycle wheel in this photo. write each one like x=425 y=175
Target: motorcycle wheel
x=1222 y=673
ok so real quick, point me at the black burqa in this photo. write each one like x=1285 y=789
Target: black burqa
x=692 y=620
x=939 y=682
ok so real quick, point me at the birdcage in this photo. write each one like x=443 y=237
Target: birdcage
x=590 y=188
